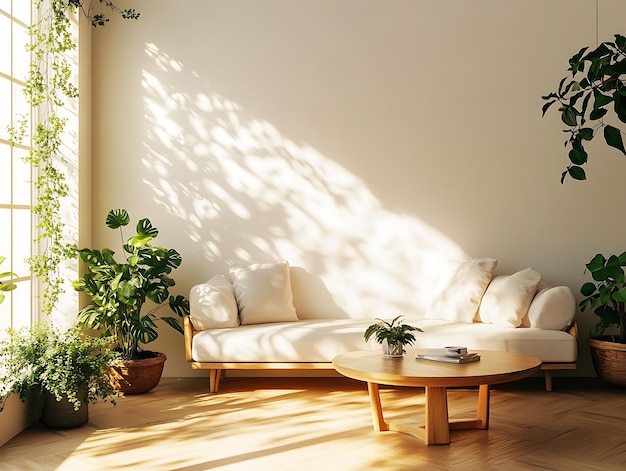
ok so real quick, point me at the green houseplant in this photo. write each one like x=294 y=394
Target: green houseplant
x=590 y=98
x=594 y=91
x=120 y=289
x=606 y=296
x=66 y=371
x=6 y=286
x=393 y=336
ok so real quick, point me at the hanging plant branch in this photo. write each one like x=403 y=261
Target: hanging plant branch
x=48 y=87
x=99 y=19
x=594 y=88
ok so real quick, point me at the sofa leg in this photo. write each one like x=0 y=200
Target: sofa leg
x=548 y=378
x=214 y=380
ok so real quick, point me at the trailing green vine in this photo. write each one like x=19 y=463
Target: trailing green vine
x=47 y=88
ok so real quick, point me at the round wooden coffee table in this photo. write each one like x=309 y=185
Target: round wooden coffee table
x=435 y=377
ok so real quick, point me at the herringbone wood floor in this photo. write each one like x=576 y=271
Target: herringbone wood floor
x=325 y=424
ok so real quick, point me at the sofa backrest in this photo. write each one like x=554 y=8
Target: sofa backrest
x=517 y=300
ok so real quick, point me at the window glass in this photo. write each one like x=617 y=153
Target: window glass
x=21 y=59
x=15 y=174
x=21 y=10
x=22 y=178
x=21 y=241
x=5 y=38
x=5 y=176
x=5 y=106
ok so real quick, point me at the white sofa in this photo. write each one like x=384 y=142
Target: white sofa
x=254 y=320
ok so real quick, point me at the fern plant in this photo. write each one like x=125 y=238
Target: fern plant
x=65 y=364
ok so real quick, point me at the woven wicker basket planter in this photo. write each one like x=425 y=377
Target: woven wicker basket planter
x=609 y=360
x=137 y=376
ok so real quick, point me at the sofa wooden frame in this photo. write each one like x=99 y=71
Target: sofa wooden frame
x=218 y=369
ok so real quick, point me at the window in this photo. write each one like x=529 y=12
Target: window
x=18 y=308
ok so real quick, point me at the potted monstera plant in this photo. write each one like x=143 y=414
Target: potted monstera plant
x=126 y=293
x=393 y=336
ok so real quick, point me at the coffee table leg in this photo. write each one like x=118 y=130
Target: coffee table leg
x=377 y=411
x=482 y=412
x=436 y=427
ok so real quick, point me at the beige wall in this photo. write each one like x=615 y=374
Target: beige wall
x=364 y=140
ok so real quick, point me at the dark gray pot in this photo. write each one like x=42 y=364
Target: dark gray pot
x=61 y=414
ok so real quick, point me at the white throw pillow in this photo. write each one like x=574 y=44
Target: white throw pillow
x=212 y=304
x=263 y=293
x=553 y=308
x=507 y=298
x=459 y=298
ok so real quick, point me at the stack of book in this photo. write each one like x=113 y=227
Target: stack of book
x=449 y=355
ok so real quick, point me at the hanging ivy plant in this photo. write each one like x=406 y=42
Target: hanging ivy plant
x=47 y=88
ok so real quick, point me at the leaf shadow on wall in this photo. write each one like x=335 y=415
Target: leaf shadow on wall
x=244 y=193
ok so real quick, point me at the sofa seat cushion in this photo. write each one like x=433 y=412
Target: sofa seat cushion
x=551 y=346
x=301 y=341
x=321 y=340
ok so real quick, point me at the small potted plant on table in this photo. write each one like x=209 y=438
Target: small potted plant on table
x=393 y=336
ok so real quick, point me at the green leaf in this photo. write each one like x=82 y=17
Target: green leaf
x=173 y=322
x=577 y=157
x=180 y=305
x=576 y=172
x=599 y=52
x=620 y=104
x=600 y=100
x=546 y=106
x=620 y=296
x=586 y=133
x=588 y=289
x=126 y=291
x=574 y=62
x=596 y=263
x=117 y=218
x=145 y=233
x=568 y=115
x=597 y=114
x=613 y=138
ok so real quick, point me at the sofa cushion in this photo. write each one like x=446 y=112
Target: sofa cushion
x=212 y=304
x=303 y=341
x=508 y=297
x=263 y=293
x=460 y=294
x=553 y=308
